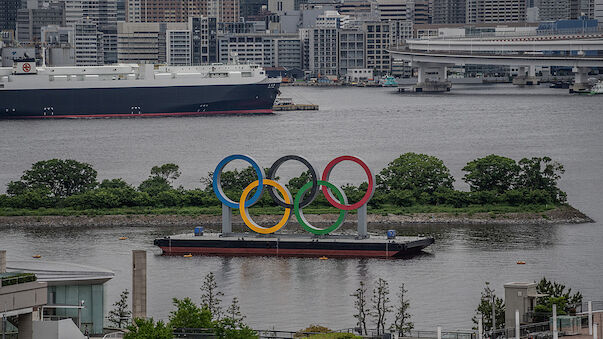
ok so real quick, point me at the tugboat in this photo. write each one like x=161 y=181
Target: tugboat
x=597 y=88
x=390 y=81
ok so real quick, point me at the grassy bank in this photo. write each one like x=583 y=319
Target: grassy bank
x=215 y=210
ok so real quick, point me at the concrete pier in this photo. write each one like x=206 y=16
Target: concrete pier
x=432 y=77
x=139 y=284
x=528 y=78
x=581 y=80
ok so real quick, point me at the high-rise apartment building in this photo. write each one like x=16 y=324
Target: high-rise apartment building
x=598 y=10
x=418 y=11
x=30 y=21
x=377 y=42
x=494 y=11
x=181 y=10
x=352 y=52
x=249 y=8
x=323 y=43
x=165 y=10
x=8 y=14
x=178 y=47
x=204 y=34
x=449 y=11
x=550 y=10
x=392 y=9
x=288 y=52
x=580 y=8
x=143 y=42
x=88 y=44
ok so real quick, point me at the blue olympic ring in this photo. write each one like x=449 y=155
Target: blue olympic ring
x=217 y=185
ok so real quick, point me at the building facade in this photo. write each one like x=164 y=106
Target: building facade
x=88 y=44
x=494 y=11
x=449 y=11
x=323 y=44
x=598 y=11
x=352 y=51
x=8 y=14
x=31 y=21
x=178 y=47
x=164 y=10
x=288 y=52
x=377 y=43
x=204 y=36
x=143 y=42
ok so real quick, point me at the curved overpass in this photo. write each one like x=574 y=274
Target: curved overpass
x=459 y=58
x=432 y=56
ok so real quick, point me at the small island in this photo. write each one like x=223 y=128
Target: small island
x=412 y=189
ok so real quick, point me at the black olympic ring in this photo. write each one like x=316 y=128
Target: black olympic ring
x=308 y=197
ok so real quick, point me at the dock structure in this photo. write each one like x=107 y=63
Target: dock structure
x=295 y=107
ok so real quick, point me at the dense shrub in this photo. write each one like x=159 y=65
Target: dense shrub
x=411 y=179
x=415 y=172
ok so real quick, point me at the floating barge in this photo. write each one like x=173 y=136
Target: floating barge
x=302 y=245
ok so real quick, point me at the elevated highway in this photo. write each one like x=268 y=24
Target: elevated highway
x=432 y=56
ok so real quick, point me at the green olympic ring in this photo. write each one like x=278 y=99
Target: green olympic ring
x=302 y=219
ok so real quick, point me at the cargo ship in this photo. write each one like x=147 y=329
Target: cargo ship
x=131 y=90
x=296 y=245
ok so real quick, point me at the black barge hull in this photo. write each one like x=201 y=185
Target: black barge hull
x=298 y=247
x=137 y=101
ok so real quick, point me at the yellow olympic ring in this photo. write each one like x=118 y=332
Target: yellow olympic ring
x=245 y=215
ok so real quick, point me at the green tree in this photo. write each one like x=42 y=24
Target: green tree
x=232 y=325
x=402 y=324
x=555 y=289
x=169 y=172
x=148 y=329
x=120 y=315
x=381 y=306
x=229 y=329
x=542 y=174
x=114 y=183
x=484 y=310
x=61 y=177
x=556 y=293
x=154 y=185
x=234 y=180
x=189 y=315
x=491 y=173
x=234 y=311
x=361 y=306
x=414 y=172
x=544 y=309
x=210 y=297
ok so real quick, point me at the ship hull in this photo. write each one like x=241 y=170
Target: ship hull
x=298 y=248
x=137 y=101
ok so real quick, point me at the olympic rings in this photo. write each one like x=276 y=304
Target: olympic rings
x=289 y=203
x=272 y=173
x=369 y=191
x=245 y=214
x=302 y=219
x=217 y=184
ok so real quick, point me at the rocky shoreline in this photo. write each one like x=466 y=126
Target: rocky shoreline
x=560 y=215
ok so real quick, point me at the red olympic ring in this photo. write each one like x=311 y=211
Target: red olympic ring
x=369 y=192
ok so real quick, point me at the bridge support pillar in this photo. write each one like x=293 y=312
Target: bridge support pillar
x=581 y=80
x=528 y=78
x=431 y=78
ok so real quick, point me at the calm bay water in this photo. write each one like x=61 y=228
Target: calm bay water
x=376 y=124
